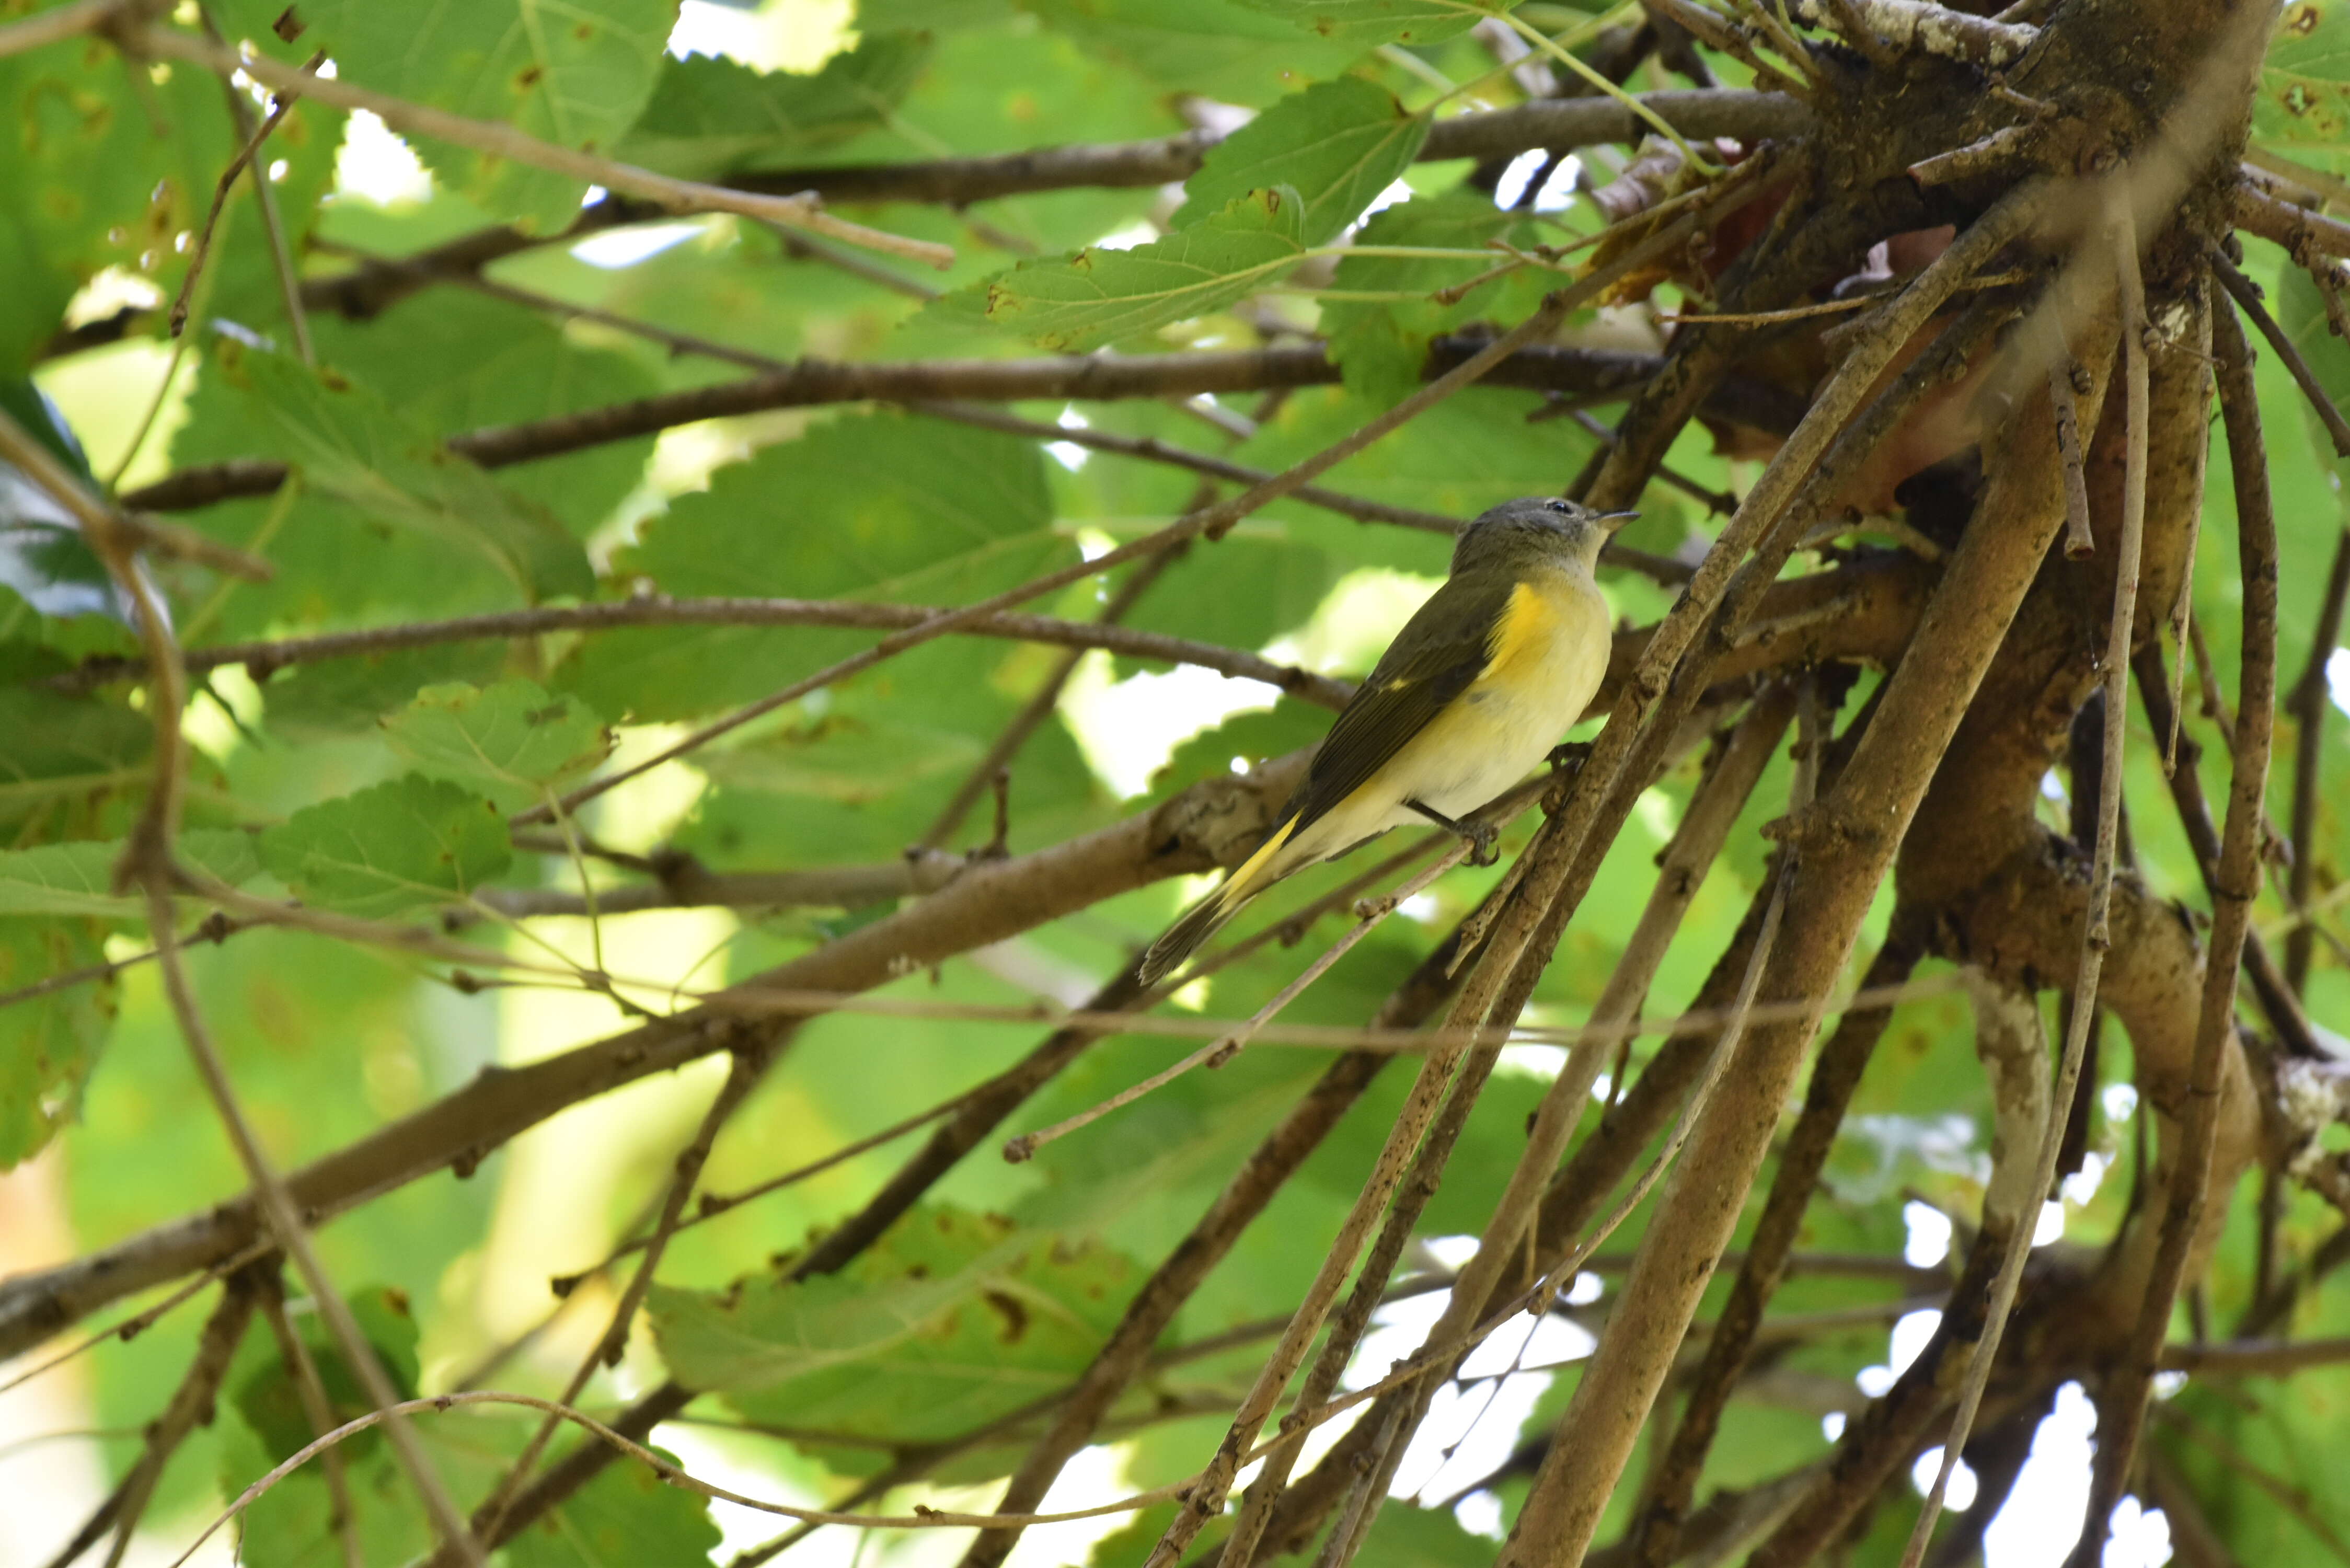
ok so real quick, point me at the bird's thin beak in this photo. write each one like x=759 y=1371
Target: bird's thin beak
x=1612 y=520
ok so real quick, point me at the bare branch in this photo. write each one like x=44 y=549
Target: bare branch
x=302 y=1370
x=808 y=382
x=2122 y=1409
x=2247 y=296
x=2301 y=231
x=503 y=140
x=1660 y=1523
x=2310 y=702
x=991 y=767
x=60 y=23
x=262 y=659
x=1553 y=123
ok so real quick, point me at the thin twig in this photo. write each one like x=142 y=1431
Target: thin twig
x=1040 y=706
x=262 y=659
x=2247 y=296
x=302 y=1369
x=743 y=1076
x=500 y=140
x=2310 y=702
x=1224 y=1047
x=60 y=23
x=1149 y=448
x=252 y=137
x=137 y=1322
x=1598 y=374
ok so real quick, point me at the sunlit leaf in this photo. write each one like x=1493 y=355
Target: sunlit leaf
x=1337 y=145
x=709 y=116
x=1098 y=295
x=868 y=507
x=48 y=1043
x=78 y=878
x=389 y=848
x=573 y=73
x=1222 y=48
x=513 y=740
x=345 y=440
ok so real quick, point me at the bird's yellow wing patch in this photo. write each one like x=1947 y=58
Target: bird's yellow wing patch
x=1523 y=636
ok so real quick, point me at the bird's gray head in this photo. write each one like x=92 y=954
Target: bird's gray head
x=1535 y=528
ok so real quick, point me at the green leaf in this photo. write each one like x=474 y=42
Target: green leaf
x=389 y=849
x=1221 y=48
x=1403 y=1536
x=1243 y=741
x=342 y=697
x=627 y=1517
x=710 y=117
x=66 y=749
x=88 y=181
x=1381 y=346
x=265 y=1393
x=346 y=441
x=948 y=1321
x=78 y=878
x=1337 y=145
x=1365 y=22
x=2302 y=104
x=294 y=1523
x=575 y=73
x=1096 y=295
x=48 y=1044
x=2301 y=311
x=513 y=740
x=878 y=506
x=451 y=362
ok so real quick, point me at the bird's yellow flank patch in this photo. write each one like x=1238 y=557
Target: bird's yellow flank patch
x=1523 y=637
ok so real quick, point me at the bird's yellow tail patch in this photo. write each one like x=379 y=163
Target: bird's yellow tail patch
x=1202 y=919
x=1242 y=884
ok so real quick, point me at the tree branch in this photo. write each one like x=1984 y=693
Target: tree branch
x=494 y=138
x=1163 y=160
x=2237 y=881
x=2310 y=702
x=1586 y=372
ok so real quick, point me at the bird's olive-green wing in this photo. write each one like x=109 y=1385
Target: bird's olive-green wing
x=1440 y=652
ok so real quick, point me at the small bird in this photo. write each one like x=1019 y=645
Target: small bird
x=1474 y=691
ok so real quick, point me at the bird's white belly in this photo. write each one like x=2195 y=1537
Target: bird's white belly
x=1489 y=738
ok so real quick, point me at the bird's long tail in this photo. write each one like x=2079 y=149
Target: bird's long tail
x=1204 y=919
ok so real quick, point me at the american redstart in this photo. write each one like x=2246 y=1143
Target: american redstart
x=1476 y=688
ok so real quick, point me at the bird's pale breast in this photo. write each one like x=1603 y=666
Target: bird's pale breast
x=1549 y=655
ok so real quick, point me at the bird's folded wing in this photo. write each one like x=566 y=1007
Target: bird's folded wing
x=1438 y=655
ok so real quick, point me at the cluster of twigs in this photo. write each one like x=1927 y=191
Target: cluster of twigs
x=2096 y=435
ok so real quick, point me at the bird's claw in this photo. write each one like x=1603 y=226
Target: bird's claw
x=1569 y=756
x=1484 y=842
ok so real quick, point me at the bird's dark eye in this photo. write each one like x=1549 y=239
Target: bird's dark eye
x=1559 y=506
